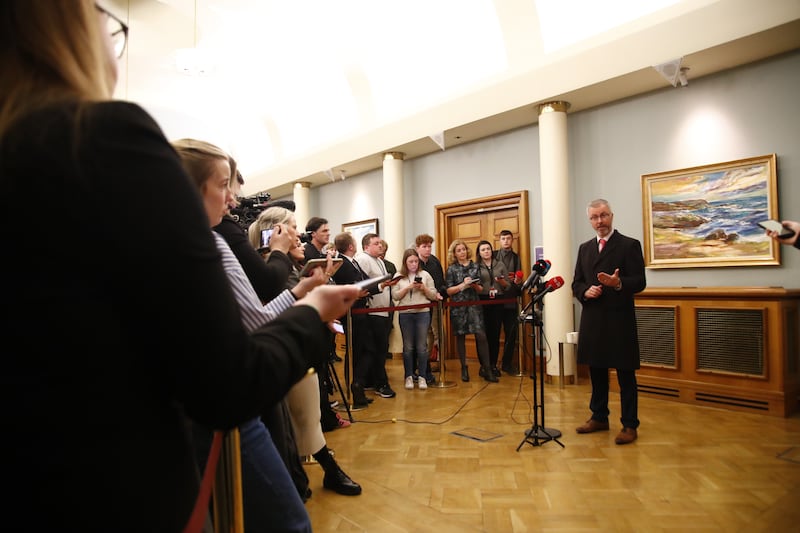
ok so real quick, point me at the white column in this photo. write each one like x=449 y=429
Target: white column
x=558 y=313
x=301 y=204
x=392 y=226
x=393 y=223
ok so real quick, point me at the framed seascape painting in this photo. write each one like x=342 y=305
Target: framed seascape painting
x=361 y=228
x=707 y=216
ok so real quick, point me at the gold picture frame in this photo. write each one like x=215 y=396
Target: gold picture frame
x=707 y=216
x=361 y=228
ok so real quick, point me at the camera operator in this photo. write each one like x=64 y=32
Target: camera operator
x=320 y=235
x=268 y=278
x=246 y=210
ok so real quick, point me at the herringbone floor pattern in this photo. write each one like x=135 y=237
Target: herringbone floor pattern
x=699 y=469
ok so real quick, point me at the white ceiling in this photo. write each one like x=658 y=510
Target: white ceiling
x=302 y=90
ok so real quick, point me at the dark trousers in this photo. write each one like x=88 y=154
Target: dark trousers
x=629 y=396
x=362 y=362
x=376 y=346
x=480 y=344
x=510 y=322
x=492 y=322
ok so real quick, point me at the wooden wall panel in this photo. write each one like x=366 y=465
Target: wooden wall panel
x=736 y=348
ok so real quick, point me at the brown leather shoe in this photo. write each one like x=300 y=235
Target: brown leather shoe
x=591 y=426
x=626 y=436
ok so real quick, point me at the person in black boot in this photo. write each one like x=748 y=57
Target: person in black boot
x=335 y=479
x=305 y=398
x=463 y=284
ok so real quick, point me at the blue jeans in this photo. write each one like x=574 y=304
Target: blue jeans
x=271 y=501
x=414 y=327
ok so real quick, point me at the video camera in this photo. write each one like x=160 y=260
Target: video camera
x=249 y=208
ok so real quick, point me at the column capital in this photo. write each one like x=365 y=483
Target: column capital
x=388 y=156
x=557 y=106
x=302 y=185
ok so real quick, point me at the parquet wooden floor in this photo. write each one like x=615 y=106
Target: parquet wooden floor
x=698 y=469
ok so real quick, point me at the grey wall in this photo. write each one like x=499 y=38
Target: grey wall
x=746 y=112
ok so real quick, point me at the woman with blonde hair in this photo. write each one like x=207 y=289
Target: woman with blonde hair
x=109 y=352
x=305 y=400
x=462 y=280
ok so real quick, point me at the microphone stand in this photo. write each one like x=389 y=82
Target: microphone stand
x=538 y=435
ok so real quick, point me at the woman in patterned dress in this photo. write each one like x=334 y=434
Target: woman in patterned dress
x=463 y=285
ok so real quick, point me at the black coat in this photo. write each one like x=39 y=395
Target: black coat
x=268 y=277
x=434 y=267
x=607 y=337
x=120 y=323
x=346 y=275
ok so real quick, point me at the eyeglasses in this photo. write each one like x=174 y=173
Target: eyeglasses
x=118 y=31
x=595 y=218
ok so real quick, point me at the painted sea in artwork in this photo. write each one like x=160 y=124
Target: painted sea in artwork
x=711 y=215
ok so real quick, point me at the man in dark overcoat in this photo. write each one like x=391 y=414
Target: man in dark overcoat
x=608 y=273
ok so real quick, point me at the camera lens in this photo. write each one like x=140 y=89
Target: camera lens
x=305 y=237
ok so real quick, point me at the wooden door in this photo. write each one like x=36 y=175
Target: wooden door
x=476 y=220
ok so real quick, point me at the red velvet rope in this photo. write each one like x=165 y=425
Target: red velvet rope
x=494 y=301
x=198 y=518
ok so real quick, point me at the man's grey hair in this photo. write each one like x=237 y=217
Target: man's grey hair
x=599 y=202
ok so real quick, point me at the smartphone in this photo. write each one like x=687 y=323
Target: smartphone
x=372 y=283
x=322 y=262
x=417 y=279
x=774 y=225
x=266 y=235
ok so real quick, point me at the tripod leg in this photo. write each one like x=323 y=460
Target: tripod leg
x=333 y=375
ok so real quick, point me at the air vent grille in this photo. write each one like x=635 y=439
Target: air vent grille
x=731 y=340
x=656 y=327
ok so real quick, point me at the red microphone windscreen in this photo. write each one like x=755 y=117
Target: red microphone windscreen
x=555 y=283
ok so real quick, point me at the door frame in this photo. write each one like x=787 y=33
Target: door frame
x=519 y=199
x=445 y=212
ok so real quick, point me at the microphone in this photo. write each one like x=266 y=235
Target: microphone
x=549 y=286
x=539 y=269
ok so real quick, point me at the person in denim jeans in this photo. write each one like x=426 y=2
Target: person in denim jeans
x=270 y=500
x=415 y=287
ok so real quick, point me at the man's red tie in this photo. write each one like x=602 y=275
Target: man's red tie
x=601 y=244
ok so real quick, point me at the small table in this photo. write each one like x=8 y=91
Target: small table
x=561 y=364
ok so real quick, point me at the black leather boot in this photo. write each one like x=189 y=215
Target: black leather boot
x=335 y=479
x=464 y=373
x=359 y=398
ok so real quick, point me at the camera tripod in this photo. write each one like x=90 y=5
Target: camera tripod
x=537 y=435
x=334 y=378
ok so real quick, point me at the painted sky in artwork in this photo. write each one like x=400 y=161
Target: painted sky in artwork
x=712 y=186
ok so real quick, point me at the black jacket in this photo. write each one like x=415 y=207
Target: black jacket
x=120 y=323
x=268 y=278
x=433 y=267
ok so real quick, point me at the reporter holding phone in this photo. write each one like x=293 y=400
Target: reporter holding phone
x=463 y=285
x=791 y=240
x=494 y=281
x=104 y=367
x=267 y=278
x=308 y=399
x=414 y=287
